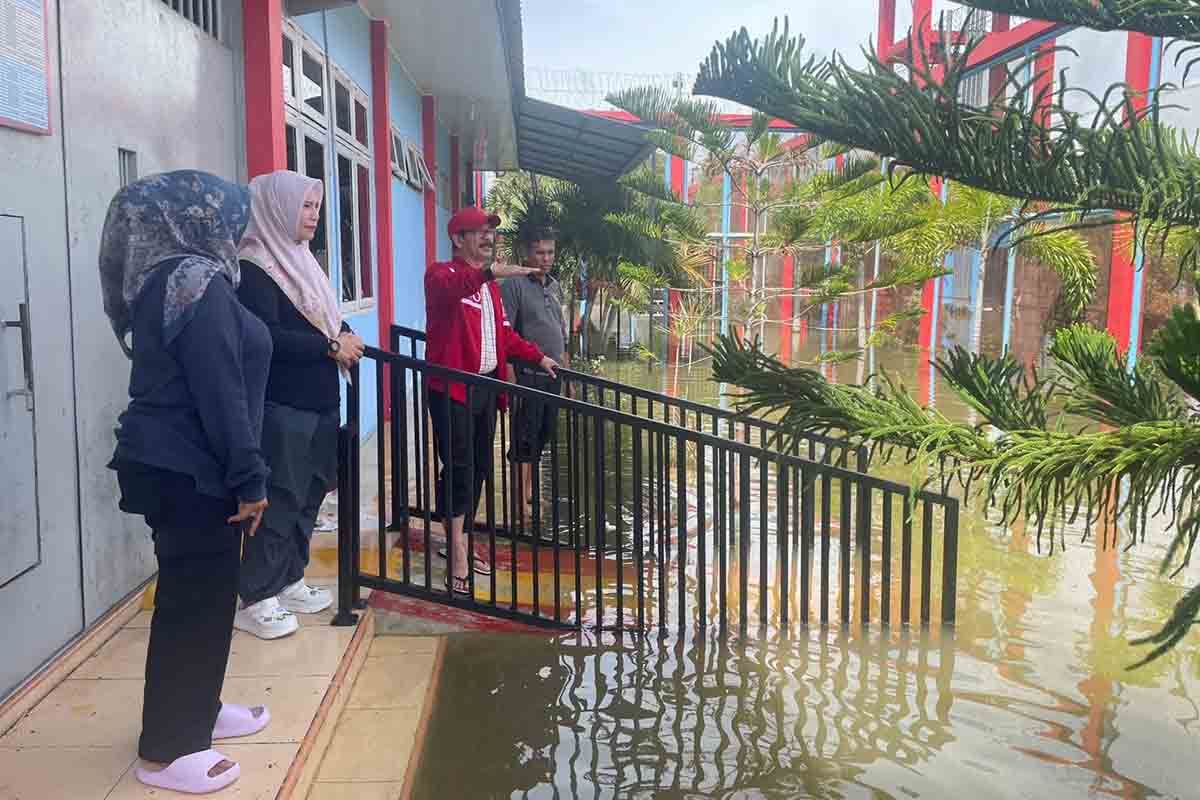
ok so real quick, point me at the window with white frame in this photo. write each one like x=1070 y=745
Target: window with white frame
x=418 y=171
x=351 y=117
x=354 y=208
x=306 y=154
x=398 y=153
x=320 y=99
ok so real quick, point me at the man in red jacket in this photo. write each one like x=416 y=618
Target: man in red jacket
x=466 y=330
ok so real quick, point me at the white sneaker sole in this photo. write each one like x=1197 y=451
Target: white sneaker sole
x=264 y=632
x=306 y=606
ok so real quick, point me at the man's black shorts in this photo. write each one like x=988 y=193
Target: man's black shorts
x=534 y=422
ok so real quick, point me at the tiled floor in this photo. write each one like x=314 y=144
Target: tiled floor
x=80 y=742
x=373 y=742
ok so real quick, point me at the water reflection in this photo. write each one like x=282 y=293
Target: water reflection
x=1029 y=697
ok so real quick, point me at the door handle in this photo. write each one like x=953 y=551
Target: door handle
x=22 y=324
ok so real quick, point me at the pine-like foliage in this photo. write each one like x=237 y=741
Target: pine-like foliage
x=1074 y=165
x=1172 y=18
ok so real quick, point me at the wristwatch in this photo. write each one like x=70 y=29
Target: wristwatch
x=335 y=347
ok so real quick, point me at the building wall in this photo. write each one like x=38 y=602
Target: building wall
x=43 y=608
x=408 y=209
x=138 y=76
x=444 y=250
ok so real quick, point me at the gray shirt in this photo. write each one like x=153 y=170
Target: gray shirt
x=535 y=311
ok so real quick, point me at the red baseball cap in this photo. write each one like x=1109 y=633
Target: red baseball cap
x=471 y=218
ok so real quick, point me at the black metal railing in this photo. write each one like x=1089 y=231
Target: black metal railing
x=678 y=411
x=638 y=523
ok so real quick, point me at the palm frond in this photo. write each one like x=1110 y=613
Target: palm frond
x=1099 y=388
x=1068 y=254
x=1175 y=350
x=998 y=388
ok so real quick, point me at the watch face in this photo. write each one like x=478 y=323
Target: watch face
x=334 y=346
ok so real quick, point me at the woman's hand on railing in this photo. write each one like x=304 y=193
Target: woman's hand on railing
x=550 y=365
x=350 y=350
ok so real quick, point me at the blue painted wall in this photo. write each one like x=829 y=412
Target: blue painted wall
x=408 y=210
x=443 y=203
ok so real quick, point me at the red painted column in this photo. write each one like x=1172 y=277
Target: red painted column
x=997 y=75
x=429 y=145
x=262 y=37
x=787 y=306
x=455 y=176
x=677 y=167
x=787 y=283
x=381 y=132
x=1121 y=274
x=885 y=29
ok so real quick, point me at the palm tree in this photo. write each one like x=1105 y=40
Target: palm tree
x=1140 y=455
x=750 y=161
x=615 y=238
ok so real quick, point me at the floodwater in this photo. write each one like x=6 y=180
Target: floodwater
x=1029 y=696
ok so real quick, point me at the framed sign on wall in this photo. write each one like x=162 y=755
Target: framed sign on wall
x=24 y=66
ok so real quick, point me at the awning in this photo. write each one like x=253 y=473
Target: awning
x=568 y=144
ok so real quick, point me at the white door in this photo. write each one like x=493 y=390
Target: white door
x=20 y=542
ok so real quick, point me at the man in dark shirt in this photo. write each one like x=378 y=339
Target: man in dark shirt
x=534 y=306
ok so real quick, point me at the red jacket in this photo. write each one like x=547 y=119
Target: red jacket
x=453 y=325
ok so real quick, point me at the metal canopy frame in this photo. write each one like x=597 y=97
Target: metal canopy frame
x=563 y=143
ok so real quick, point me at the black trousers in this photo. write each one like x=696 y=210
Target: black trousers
x=301 y=449
x=192 y=626
x=455 y=448
x=535 y=422
x=277 y=554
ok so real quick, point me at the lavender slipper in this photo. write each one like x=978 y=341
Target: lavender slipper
x=234 y=721
x=189 y=774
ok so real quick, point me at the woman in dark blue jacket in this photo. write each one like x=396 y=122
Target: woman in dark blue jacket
x=188 y=455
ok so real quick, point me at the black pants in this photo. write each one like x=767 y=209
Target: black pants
x=277 y=554
x=194 y=603
x=535 y=422
x=450 y=437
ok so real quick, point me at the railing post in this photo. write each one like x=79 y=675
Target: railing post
x=345 y=616
x=950 y=562
x=354 y=416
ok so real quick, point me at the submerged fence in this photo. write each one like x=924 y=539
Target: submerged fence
x=639 y=522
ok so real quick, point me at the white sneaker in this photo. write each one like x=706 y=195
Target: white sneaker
x=300 y=598
x=266 y=619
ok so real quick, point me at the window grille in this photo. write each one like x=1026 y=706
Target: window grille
x=205 y=14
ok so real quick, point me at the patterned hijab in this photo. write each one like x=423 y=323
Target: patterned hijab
x=272 y=242
x=188 y=214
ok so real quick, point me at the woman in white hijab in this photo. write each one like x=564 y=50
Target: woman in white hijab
x=285 y=286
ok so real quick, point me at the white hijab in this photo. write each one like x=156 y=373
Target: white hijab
x=272 y=242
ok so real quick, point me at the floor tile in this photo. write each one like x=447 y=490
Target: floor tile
x=393 y=682
x=142 y=620
x=292 y=702
x=370 y=745
x=355 y=791
x=385 y=646
x=61 y=774
x=83 y=713
x=264 y=767
x=122 y=656
x=308 y=651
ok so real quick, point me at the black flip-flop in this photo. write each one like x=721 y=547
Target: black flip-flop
x=481 y=567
